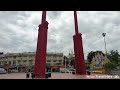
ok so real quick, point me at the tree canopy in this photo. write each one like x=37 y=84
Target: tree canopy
x=110 y=66
x=92 y=54
x=65 y=58
x=113 y=56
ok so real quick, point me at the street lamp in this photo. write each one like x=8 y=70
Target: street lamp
x=65 y=64
x=104 y=34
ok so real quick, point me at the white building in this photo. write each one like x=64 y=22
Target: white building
x=21 y=61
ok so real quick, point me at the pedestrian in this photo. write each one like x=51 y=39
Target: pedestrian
x=27 y=75
x=32 y=75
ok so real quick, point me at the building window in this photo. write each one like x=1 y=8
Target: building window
x=48 y=64
x=24 y=61
x=2 y=62
x=14 y=62
x=19 y=62
x=58 y=63
x=54 y=60
x=48 y=60
x=60 y=60
x=5 y=62
x=14 y=57
x=9 y=62
x=30 y=62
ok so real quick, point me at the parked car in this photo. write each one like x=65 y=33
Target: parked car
x=3 y=71
x=14 y=71
x=65 y=70
x=89 y=71
x=73 y=71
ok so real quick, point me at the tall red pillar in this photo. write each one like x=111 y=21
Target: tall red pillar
x=78 y=49
x=40 y=59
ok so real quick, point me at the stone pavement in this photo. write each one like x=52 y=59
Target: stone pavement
x=58 y=76
x=53 y=76
x=13 y=76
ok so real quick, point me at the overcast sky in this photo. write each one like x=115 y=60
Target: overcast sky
x=19 y=30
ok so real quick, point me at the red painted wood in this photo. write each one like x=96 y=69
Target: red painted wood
x=78 y=49
x=40 y=59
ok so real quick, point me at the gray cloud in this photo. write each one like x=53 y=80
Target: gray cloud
x=19 y=30
x=54 y=14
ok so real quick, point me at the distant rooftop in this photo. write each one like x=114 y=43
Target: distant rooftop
x=29 y=53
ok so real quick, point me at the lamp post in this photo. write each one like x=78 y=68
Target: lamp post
x=104 y=34
x=65 y=64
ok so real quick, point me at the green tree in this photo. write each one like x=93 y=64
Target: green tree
x=92 y=54
x=72 y=62
x=110 y=66
x=65 y=58
x=88 y=66
x=113 y=56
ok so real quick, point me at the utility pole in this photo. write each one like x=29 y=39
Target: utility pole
x=104 y=34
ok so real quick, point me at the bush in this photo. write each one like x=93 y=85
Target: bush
x=110 y=66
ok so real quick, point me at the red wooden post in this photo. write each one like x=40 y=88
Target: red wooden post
x=40 y=59
x=78 y=49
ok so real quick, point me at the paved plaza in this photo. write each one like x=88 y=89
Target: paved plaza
x=59 y=76
x=53 y=76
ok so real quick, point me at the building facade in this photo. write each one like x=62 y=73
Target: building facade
x=24 y=61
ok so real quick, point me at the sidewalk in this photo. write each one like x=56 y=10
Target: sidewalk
x=58 y=76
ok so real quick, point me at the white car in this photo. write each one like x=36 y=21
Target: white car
x=3 y=71
x=65 y=70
